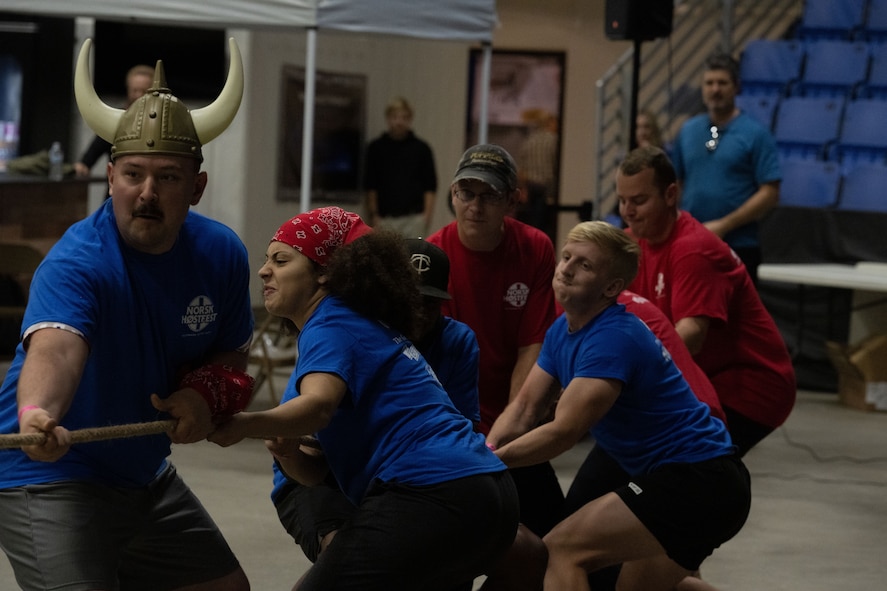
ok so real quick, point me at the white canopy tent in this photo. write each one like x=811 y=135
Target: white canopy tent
x=456 y=20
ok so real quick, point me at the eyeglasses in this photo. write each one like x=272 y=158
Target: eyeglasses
x=488 y=197
x=712 y=144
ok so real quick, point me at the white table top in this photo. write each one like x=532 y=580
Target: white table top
x=869 y=276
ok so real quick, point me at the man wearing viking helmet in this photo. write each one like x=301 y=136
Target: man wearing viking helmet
x=141 y=311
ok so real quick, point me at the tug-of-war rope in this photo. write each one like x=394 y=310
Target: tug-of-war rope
x=15 y=440
x=91 y=434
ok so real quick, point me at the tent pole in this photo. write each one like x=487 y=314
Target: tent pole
x=308 y=118
x=483 y=121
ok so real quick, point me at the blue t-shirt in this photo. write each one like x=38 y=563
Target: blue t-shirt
x=147 y=319
x=453 y=355
x=396 y=422
x=719 y=181
x=656 y=419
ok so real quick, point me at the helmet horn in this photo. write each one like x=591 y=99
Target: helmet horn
x=213 y=119
x=101 y=118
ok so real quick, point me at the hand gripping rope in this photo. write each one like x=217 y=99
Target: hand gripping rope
x=92 y=434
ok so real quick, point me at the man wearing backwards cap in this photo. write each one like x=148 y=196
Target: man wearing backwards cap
x=141 y=307
x=500 y=281
x=433 y=507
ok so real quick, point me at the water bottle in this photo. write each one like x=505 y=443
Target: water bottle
x=56 y=158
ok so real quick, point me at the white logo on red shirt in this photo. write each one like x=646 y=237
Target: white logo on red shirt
x=517 y=294
x=660 y=285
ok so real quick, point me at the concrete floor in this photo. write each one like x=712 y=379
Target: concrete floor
x=818 y=520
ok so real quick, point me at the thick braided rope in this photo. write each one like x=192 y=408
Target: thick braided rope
x=113 y=432
x=92 y=434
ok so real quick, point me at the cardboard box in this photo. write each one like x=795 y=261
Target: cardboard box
x=862 y=372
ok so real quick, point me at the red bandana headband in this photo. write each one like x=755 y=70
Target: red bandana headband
x=319 y=232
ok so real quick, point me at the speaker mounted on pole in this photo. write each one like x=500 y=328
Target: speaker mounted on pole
x=638 y=20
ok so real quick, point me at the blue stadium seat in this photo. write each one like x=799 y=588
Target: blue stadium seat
x=863 y=136
x=831 y=19
x=806 y=127
x=833 y=68
x=768 y=66
x=874 y=29
x=809 y=183
x=761 y=108
x=876 y=84
x=862 y=189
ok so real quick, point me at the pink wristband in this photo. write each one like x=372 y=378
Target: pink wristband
x=25 y=409
x=491 y=446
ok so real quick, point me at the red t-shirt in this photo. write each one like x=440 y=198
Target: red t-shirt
x=657 y=322
x=695 y=273
x=505 y=296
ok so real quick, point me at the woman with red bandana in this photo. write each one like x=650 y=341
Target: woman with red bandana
x=436 y=508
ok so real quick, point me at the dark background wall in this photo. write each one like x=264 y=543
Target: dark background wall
x=43 y=48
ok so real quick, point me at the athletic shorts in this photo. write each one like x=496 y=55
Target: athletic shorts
x=79 y=536
x=308 y=513
x=745 y=432
x=434 y=538
x=691 y=509
x=541 y=497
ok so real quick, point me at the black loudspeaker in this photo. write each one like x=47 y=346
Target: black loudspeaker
x=638 y=20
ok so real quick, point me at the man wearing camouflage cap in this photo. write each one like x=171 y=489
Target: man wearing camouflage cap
x=141 y=311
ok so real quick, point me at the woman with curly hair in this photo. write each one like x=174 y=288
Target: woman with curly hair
x=435 y=507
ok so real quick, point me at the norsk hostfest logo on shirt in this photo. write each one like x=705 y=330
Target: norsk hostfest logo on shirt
x=199 y=314
x=517 y=294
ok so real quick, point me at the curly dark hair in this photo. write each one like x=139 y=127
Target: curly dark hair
x=374 y=277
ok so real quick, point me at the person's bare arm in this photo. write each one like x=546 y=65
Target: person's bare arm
x=194 y=420
x=319 y=397
x=583 y=403
x=753 y=209
x=693 y=330
x=49 y=378
x=529 y=406
x=526 y=359
x=304 y=464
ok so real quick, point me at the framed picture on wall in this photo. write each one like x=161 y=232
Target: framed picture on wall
x=339 y=116
x=524 y=113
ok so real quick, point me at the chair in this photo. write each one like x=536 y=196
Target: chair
x=274 y=351
x=806 y=127
x=833 y=68
x=761 y=108
x=831 y=19
x=875 y=85
x=809 y=183
x=874 y=29
x=769 y=66
x=863 y=189
x=18 y=261
x=863 y=136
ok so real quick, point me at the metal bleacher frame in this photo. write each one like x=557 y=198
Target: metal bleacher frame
x=670 y=72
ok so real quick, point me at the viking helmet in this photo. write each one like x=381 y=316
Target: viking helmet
x=158 y=122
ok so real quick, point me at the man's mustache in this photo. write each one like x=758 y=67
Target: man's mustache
x=149 y=211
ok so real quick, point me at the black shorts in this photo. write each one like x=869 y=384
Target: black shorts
x=435 y=537
x=308 y=513
x=691 y=509
x=541 y=497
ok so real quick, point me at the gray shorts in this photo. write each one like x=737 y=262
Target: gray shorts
x=78 y=536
